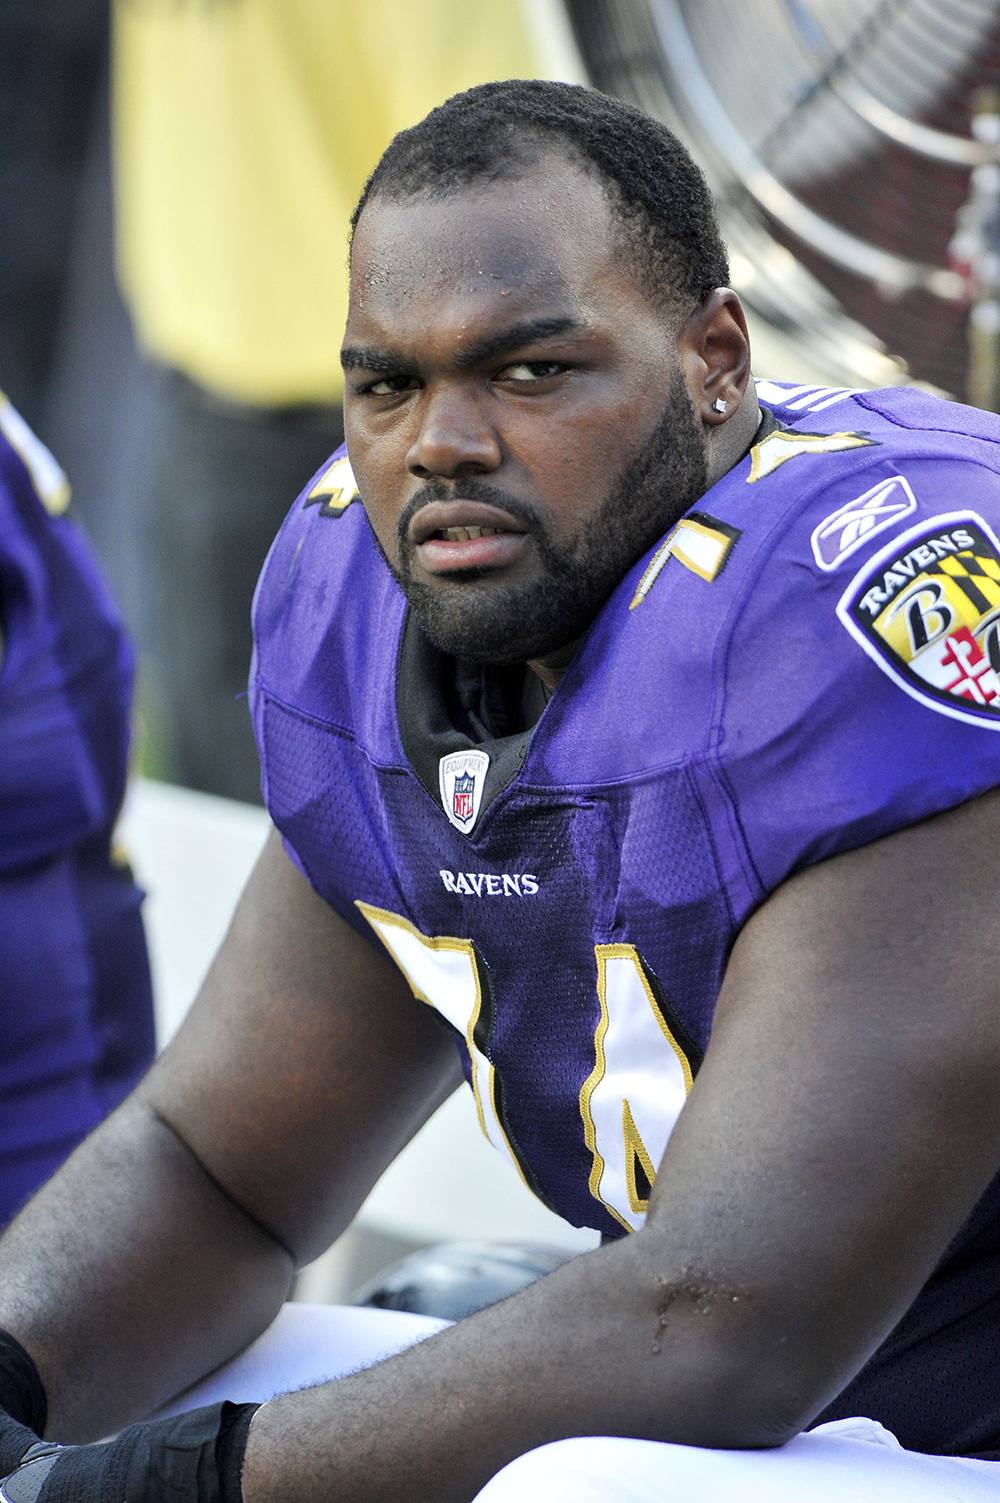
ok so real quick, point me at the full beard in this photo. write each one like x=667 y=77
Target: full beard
x=517 y=622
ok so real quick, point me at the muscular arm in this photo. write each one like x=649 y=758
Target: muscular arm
x=167 y=1241
x=844 y=1123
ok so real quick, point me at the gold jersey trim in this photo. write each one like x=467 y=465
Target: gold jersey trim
x=783 y=444
x=50 y=483
x=700 y=542
x=336 y=488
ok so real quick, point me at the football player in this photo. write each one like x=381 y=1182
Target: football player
x=630 y=738
x=76 y=1011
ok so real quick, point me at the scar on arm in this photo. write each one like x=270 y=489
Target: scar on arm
x=700 y=1295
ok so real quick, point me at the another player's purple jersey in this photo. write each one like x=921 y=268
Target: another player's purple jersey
x=810 y=659
x=75 y=1004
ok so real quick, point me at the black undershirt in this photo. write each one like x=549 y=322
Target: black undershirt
x=486 y=703
x=444 y=704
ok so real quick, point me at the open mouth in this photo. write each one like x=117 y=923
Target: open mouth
x=451 y=536
x=466 y=534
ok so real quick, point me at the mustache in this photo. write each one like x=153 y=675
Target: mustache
x=471 y=489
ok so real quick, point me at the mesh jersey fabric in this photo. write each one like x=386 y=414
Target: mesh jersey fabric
x=731 y=716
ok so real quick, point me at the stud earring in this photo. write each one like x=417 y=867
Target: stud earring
x=720 y=405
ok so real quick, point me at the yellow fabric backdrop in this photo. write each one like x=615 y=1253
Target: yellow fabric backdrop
x=244 y=131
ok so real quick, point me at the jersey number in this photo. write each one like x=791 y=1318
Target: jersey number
x=643 y=1070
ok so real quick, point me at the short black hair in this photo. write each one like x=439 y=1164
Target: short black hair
x=498 y=130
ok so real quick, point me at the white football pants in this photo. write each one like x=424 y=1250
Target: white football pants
x=850 y=1461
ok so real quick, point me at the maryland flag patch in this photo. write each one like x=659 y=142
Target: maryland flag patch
x=926 y=609
x=335 y=489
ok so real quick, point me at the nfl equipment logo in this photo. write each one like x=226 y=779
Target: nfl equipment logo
x=462 y=777
x=461 y=797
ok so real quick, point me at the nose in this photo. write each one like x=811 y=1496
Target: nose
x=454 y=439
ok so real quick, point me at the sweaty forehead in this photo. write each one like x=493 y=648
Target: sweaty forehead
x=546 y=234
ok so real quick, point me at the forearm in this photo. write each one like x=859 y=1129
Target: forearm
x=587 y=1350
x=131 y=1274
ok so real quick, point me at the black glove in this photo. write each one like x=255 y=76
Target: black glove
x=15 y=1442
x=193 y=1458
x=22 y=1403
x=21 y=1391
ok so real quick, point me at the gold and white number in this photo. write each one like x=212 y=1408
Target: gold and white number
x=638 y=1086
x=632 y=1097
x=444 y=972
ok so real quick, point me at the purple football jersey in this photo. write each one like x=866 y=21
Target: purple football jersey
x=76 y=1025
x=808 y=660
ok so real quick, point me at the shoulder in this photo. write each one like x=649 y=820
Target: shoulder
x=913 y=513
x=326 y=612
x=839 y=468
x=862 y=660
x=759 y=561
x=43 y=555
x=34 y=493
x=26 y=466
x=51 y=584
x=820 y=442
x=824 y=503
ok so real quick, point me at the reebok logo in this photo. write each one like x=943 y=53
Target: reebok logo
x=850 y=527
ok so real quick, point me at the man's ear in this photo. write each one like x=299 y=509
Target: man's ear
x=714 y=352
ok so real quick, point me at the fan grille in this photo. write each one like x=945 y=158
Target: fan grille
x=779 y=70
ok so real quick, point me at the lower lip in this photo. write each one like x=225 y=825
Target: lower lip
x=444 y=556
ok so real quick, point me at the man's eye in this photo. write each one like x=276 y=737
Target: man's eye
x=527 y=371
x=388 y=386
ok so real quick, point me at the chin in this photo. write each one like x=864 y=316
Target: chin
x=496 y=648
x=509 y=626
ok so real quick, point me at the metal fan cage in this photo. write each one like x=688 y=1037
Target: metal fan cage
x=854 y=150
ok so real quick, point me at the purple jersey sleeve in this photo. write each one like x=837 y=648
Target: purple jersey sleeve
x=860 y=686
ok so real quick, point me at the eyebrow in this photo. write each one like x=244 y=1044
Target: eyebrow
x=531 y=331
x=355 y=357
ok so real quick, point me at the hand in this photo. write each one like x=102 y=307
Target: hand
x=193 y=1458
x=15 y=1441
x=24 y=1484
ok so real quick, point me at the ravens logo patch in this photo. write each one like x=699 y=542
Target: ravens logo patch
x=926 y=609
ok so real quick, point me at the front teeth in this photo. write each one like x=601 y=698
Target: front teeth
x=467 y=534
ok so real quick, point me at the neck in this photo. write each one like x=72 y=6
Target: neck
x=551 y=668
x=728 y=442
